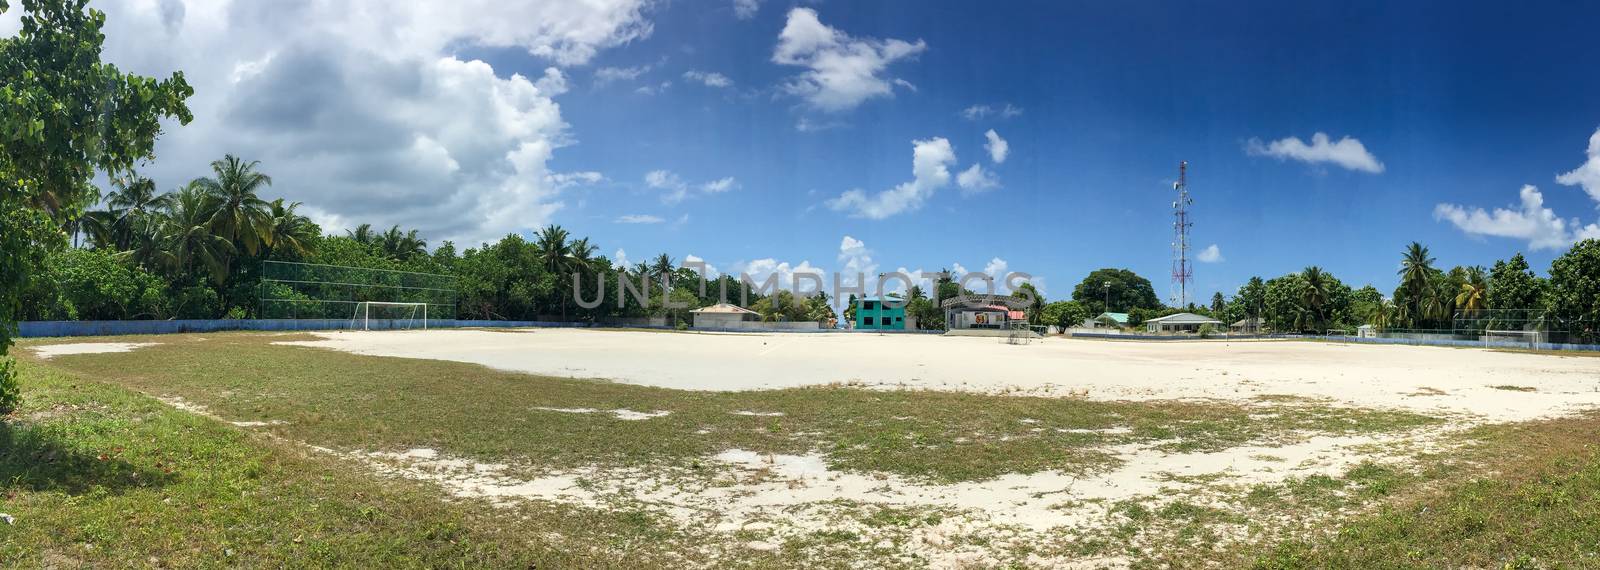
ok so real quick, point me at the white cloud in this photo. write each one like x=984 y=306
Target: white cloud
x=981 y=111
x=362 y=110
x=855 y=261
x=998 y=147
x=807 y=125
x=1530 y=220
x=719 y=186
x=841 y=71
x=653 y=88
x=708 y=78
x=930 y=166
x=562 y=180
x=1347 y=153
x=976 y=180
x=639 y=219
x=746 y=9
x=1588 y=174
x=608 y=75
x=1211 y=254
x=676 y=190
x=620 y=260
x=710 y=270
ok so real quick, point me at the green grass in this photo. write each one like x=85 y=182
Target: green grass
x=1532 y=501
x=99 y=476
x=347 y=401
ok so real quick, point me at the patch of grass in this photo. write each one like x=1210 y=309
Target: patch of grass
x=1534 y=503
x=346 y=401
x=1512 y=388
x=98 y=476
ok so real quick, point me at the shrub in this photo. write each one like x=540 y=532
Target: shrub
x=10 y=393
x=1206 y=330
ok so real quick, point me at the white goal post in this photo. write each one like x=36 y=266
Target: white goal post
x=404 y=315
x=1531 y=339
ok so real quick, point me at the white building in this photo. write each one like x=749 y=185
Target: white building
x=1181 y=322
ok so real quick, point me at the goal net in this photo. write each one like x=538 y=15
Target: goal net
x=336 y=296
x=1515 y=339
x=372 y=315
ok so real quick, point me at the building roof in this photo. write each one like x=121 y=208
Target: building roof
x=1184 y=319
x=725 y=308
x=1255 y=322
x=1118 y=317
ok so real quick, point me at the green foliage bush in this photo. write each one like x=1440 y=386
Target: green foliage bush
x=10 y=393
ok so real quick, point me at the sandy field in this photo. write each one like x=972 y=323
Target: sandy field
x=1433 y=380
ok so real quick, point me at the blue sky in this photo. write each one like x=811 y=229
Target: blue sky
x=501 y=116
x=1460 y=106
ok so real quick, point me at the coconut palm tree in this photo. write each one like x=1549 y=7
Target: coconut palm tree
x=1474 y=290
x=661 y=268
x=555 y=256
x=190 y=235
x=401 y=246
x=150 y=248
x=362 y=234
x=1313 y=295
x=1416 y=269
x=292 y=233
x=240 y=215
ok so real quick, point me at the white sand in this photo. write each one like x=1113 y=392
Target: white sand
x=789 y=496
x=49 y=351
x=1386 y=376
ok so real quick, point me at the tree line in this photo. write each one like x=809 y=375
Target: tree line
x=1468 y=299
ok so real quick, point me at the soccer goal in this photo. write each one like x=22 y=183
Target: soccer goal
x=390 y=316
x=1518 y=339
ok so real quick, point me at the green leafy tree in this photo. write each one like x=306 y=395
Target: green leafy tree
x=64 y=115
x=1574 y=294
x=1513 y=293
x=1126 y=290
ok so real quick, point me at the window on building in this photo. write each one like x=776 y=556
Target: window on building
x=899 y=319
x=870 y=306
x=868 y=321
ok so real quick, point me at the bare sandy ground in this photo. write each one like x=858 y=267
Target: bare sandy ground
x=1433 y=380
x=49 y=351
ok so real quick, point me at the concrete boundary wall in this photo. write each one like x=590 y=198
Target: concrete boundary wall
x=1412 y=340
x=45 y=329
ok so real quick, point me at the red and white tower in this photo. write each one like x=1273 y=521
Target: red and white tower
x=1182 y=269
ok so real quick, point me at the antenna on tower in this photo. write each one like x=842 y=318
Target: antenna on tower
x=1182 y=270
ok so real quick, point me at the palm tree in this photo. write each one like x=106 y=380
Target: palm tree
x=292 y=233
x=1314 y=294
x=149 y=249
x=189 y=231
x=1473 y=291
x=1416 y=269
x=362 y=234
x=401 y=246
x=555 y=255
x=240 y=214
x=661 y=268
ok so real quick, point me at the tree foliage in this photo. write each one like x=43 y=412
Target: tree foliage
x=1126 y=290
x=64 y=115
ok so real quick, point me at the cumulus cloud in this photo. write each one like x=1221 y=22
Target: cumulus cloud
x=976 y=180
x=746 y=9
x=708 y=78
x=639 y=219
x=1211 y=254
x=709 y=272
x=982 y=111
x=1530 y=220
x=841 y=71
x=361 y=110
x=1587 y=175
x=930 y=168
x=675 y=189
x=620 y=259
x=998 y=147
x=1346 y=153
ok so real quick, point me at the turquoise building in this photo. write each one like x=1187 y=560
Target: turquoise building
x=884 y=313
